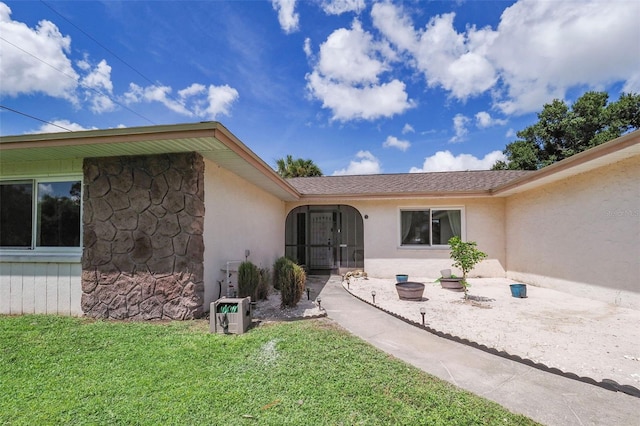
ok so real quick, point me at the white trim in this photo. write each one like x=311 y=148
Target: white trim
x=463 y=227
x=30 y=256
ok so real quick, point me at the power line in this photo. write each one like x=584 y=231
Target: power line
x=97 y=42
x=169 y=95
x=34 y=118
x=75 y=80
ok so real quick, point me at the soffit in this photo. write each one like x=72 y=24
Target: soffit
x=211 y=140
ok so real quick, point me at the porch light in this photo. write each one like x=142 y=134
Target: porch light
x=373 y=295
x=422 y=312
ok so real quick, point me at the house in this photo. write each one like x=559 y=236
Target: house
x=147 y=222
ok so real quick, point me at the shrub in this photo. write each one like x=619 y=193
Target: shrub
x=248 y=280
x=290 y=279
x=264 y=284
x=278 y=268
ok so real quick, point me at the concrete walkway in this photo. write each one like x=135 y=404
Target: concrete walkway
x=544 y=397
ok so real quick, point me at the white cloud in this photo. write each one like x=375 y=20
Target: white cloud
x=510 y=133
x=338 y=7
x=307 y=47
x=408 y=128
x=98 y=86
x=448 y=59
x=195 y=100
x=539 y=50
x=351 y=56
x=369 y=102
x=484 y=120
x=287 y=15
x=444 y=161
x=57 y=126
x=220 y=99
x=22 y=73
x=460 y=123
x=366 y=164
x=393 y=142
x=346 y=77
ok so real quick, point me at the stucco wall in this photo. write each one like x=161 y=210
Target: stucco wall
x=240 y=217
x=580 y=235
x=143 y=246
x=384 y=256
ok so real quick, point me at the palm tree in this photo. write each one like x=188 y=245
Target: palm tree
x=289 y=168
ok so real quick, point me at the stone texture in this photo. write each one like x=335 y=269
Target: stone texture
x=147 y=223
x=122 y=242
x=159 y=189
x=144 y=218
x=101 y=209
x=117 y=200
x=99 y=187
x=122 y=181
x=140 y=200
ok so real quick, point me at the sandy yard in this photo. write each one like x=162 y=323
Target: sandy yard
x=581 y=336
x=576 y=335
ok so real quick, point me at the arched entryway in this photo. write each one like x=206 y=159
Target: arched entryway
x=325 y=238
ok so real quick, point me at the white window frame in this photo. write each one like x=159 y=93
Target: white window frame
x=22 y=254
x=430 y=246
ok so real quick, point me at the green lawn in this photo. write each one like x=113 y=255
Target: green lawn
x=58 y=370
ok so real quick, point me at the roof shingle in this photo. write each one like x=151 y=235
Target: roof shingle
x=406 y=183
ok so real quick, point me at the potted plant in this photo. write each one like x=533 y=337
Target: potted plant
x=466 y=256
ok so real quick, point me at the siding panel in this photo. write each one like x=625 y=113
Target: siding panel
x=52 y=288
x=16 y=288
x=64 y=289
x=28 y=289
x=40 y=280
x=75 y=289
x=40 y=288
x=5 y=288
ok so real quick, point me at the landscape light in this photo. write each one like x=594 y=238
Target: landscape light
x=422 y=312
x=319 y=300
x=373 y=295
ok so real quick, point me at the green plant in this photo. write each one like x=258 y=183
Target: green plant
x=466 y=256
x=278 y=268
x=290 y=279
x=264 y=284
x=248 y=279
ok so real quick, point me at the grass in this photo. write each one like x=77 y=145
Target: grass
x=60 y=370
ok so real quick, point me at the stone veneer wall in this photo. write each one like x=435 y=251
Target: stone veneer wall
x=143 y=220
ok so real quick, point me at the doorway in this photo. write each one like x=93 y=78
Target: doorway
x=326 y=239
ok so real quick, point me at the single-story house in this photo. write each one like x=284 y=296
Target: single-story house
x=149 y=222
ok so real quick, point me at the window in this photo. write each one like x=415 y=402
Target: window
x=40 y=213
x=429 y=227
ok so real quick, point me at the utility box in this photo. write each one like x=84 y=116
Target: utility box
x=230 y=315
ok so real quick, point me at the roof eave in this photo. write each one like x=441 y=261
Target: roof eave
x=602 y=155
x=205 y=138
x=392 y=196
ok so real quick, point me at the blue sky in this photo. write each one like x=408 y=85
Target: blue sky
x=358 y=87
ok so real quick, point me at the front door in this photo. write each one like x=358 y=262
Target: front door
x=321 y=240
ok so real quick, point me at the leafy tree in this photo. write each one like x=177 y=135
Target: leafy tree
x=562 y=131
x=288 y=167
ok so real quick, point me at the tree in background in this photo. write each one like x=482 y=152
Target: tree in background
x=562 y=131
x=289 y=168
